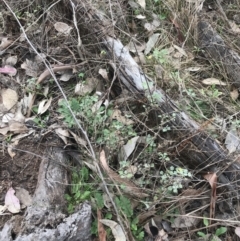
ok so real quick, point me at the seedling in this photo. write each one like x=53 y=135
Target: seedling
x=218 y=232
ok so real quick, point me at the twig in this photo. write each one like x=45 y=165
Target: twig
x=79 y=45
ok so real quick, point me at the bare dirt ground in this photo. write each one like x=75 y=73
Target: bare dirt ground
x=22 y=170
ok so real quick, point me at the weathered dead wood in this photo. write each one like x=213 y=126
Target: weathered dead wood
x=200 y=149
x=216 y=50
x=46 y=218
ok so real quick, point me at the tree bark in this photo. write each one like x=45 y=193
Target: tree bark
x=46 y=218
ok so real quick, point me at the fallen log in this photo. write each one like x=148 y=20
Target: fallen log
x=46 y=218
x=217 y=50
x=195 y=145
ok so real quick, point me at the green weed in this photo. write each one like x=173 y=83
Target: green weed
x=218 y=232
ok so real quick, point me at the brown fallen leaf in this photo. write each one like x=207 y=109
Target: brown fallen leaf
x=116 y=229
x=234 y=94
x=9 y=98
x=5 y=43
x=130 y=188
x=17 y=127
x=10 y=151
x=102 y=234
x=213 y=81
x=62 y=28
x=212 y=179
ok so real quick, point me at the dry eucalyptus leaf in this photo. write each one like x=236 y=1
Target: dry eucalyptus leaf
x=9 y=98
x=129 y=147
x=7 y=117
x=97 y=106
x=17 y=127
x=44 y=105
x=142 y=3
x=234 y=94
x=232 y=140
x=11 y=152
x=21 y=136
x=12 y=60
x=180 y=50
x=66 y=77
x=213 y=81
x=19 y=117
x=63 y=134
x=12 y=202
x=193 y=69
x=26 y=102
x=31 y=68
x=62 y=28
x=103 y=73
x=4 y=130
x=5 y=43
x=140 y=16
x=234 y=27
x=116 y=229
x=237 y=231
x=78 y=139
x=151 y=43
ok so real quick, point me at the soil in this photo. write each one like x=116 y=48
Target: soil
x=21 y=171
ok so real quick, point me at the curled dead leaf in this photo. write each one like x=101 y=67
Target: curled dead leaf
x=116 y=229
x=234 y=94
x=17 y=127
x=12 y=202
x=9 y=98
x=213 y=81
x=62 y=28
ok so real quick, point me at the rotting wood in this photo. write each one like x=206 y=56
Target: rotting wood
x=200 y=150
x=215 y=49
x=46 y=218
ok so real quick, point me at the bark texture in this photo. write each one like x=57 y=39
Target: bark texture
x=46 y=218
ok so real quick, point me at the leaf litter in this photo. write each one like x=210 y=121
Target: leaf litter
x=32 y=69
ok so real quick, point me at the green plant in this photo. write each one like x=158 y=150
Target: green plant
x=8 y=138
x=80 y=189
x=163 y=156
x=81 y=75
x=123 y=170
x=218 y=231
x=31 y=85
x=97 y=123
x=160 y=55
x=125 y=206
x=40 y=122
x=172 y=178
